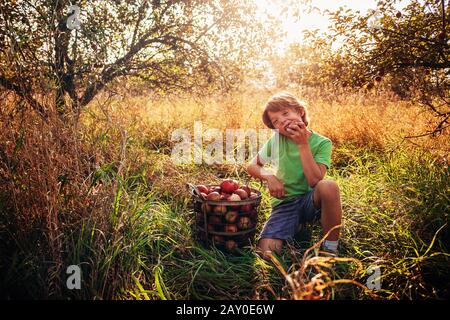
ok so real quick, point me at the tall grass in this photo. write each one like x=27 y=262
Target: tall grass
x=388 y=226
x=106 y=196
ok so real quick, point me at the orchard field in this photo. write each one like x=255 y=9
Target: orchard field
x=128 y=223
x=93 y=94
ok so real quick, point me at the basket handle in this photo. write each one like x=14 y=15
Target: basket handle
x=194 y=190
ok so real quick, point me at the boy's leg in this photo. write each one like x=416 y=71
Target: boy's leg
x=280 y=226
x=327 y=197
x=268 y=244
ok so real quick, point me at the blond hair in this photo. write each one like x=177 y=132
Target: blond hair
x=281 y=101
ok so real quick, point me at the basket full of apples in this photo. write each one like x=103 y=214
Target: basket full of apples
x=225 y=215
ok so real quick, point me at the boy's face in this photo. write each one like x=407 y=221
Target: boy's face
x=283 y=118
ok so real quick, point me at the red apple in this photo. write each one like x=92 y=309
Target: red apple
x=229 y=186
x=246 y=189
x=224 y=196
x=204 y=195
x=244 y=223
x=231 y=216
x=203 y=188
x=218 y=239
x=230 y=245
x=231 y=228
x=220 y=209
x=214 y=196
x=234 y=197
x=214 y=220
x=241 y=193
x=253 y=195
x=246 y=207
x=216 y=189
x=206 y=207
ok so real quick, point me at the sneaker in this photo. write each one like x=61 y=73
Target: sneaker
x=328 y=252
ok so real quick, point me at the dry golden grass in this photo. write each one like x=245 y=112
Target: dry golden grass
x=376 y=120
x=370 y=120
x=313 y=279
x=133 y=134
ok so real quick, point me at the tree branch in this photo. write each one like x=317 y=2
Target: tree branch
x=25 y=94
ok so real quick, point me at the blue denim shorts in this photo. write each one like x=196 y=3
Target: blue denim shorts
x=286 y=217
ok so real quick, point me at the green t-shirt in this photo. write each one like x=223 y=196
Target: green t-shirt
x=288 y=166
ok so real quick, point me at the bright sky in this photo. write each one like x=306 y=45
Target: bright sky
x=295 y=24
x=316 y=19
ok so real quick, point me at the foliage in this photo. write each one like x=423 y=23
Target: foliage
x=171 y=45
x=406 y=51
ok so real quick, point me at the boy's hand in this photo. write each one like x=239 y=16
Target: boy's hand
x=276 y=187
x=298 y=132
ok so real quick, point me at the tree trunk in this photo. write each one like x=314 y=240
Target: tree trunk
x=62 y=35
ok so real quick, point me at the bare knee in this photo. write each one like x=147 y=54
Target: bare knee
x=269 y=245
x=327 y=189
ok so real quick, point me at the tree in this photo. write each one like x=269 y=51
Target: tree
x=170 y=44
x=303 y=65
x=409 y=50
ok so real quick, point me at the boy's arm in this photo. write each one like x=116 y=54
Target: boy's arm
x=314 y=172
x=256 y=170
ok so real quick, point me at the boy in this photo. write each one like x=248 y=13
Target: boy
x=298 y=189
